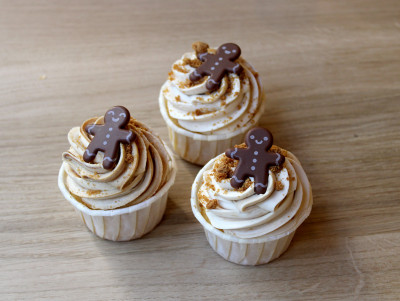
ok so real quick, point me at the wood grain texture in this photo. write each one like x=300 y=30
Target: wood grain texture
x=331 y=70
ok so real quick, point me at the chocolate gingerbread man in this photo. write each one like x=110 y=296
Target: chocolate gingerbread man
x=255 y=160
x=217 y=65
x=107 y=137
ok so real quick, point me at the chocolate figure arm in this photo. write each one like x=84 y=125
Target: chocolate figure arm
x=90 y=153
x=234 y=67
x=201 y=70
x=275 y=159
x=235 y=153
x=197 y=74
x=203 y=56
x=239 y=176
x=92 y=129
x=126 y=136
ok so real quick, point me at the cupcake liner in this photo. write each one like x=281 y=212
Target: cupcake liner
x=198 y=148
x=248 y=253
x=254 y=251
x=126 y=223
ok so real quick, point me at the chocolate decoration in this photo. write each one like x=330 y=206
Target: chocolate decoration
x=255 y=160
x=107 y=137
x=217 y=65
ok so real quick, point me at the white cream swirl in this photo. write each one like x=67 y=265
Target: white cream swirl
x=244 y=214
x=192 y=107
x=143 y=168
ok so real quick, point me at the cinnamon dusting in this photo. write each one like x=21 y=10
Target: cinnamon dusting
x=179 y=68
x=279 y=185
x=200 y=47
x=93 y=192
x=242 y=145
x=129 y=158
x=242 y=76
x=195 y=63
x=223 y=169
x=277 y=149
x=186 y=84
x=207 y=203
x=245 y=185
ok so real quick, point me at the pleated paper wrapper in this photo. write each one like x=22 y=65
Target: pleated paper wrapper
x=126 y=223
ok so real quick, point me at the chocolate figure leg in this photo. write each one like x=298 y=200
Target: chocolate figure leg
x=261 y=182
x=90 y=153
x=237 y=179
x=196 y=75
x=108 y=161
x=214 y=81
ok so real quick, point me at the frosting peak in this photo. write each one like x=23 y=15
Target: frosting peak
x=192 y=106
x=243 y=213
x=141 y=170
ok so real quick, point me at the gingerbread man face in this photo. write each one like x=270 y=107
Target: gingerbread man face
x=217 y=65
x=107 y=137
x=118 y=115
x=255 y=160
x=259 y=138
x=229 y=51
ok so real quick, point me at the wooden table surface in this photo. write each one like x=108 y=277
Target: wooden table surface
x=331 y=70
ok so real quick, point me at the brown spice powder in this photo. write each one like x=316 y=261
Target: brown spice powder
x=179 y=68
x=200 y=47
x=195 y=63
x=129 y=158
x=245 y=185
x=93 y=192
x=186 y=84
x=206 y=202
x=242 y=76
x=212 y=204
x=242 y=145
x=229 y=88
x=223 y=168
x=277 y=149
x=199 y=112
x=279 y=185
x=171 y=76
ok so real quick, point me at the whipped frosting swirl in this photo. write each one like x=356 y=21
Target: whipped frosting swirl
x=244 y=214
x=143 y=168
x=192 y=107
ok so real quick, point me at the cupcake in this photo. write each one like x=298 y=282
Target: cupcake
x=251 y=199
x=211 y=99
x=117 y=174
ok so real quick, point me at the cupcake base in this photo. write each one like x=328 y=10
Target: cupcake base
x=126 y=223
x=248 y=253
x=127 y=226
